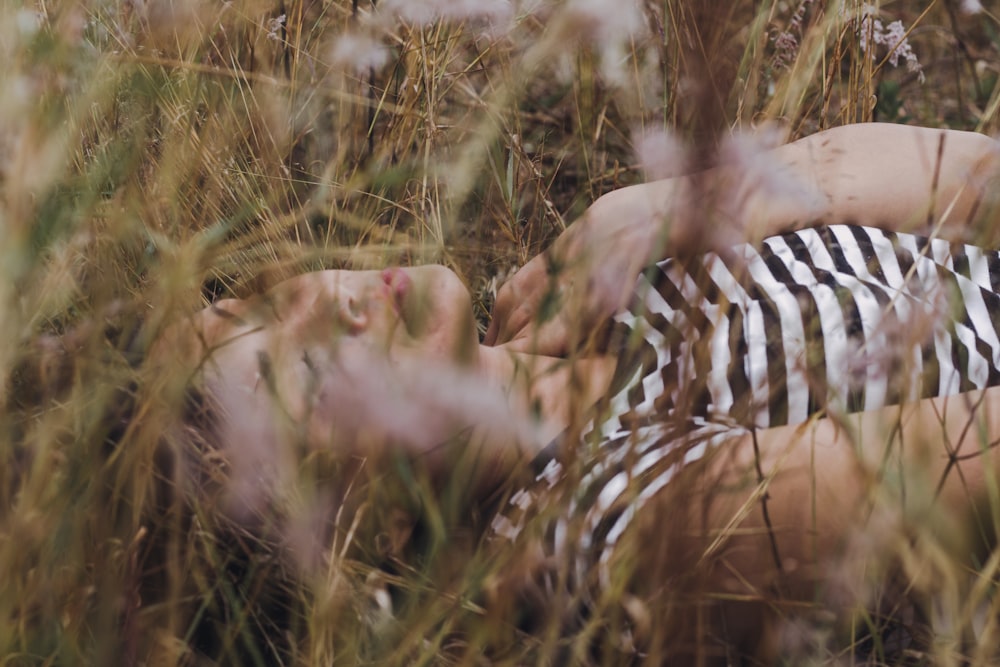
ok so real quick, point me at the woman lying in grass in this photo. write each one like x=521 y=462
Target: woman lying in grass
x=667 y=456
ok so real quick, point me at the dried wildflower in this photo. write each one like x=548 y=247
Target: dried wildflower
x=971 y=7
x=359 y=52
x=761 y=183
x=605 y=21
x=786 y=47
x=786 y=42
x=423 y=12
x=714 y=212
x=417 y=405
x=275 y=26
x=659 y=153
x=609 y=25
x=873 y=33
x=373 y=406
x=29 y=22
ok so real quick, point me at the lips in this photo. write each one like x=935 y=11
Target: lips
x=398 y=284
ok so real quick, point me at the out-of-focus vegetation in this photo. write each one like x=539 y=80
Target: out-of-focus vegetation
x=156 y=155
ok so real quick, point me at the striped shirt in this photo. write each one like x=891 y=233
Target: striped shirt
x=827 y=320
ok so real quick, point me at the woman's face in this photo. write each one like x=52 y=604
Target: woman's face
x=422 y=311
x=343 y=359
x=401 y=314
x=361 y=363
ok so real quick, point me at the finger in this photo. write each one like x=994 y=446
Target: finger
x=508 y=327
x=535 y=314
x=550 y=339
x=517 y=304
x=514 y=310
x=505 y=306
x=534 y=344
x=492 y=330
x=505 y=302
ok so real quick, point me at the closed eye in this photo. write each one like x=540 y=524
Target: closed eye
x=227 y=315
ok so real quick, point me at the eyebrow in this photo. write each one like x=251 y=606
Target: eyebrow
x=226 y=315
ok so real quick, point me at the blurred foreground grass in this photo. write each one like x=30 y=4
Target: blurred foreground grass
x=159 y=154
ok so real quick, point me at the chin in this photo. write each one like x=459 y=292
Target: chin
x=440 y=312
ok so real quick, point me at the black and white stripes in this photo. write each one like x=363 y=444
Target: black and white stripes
x=840 y=318
x=836 y=319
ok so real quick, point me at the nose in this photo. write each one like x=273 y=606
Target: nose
x=353 y=314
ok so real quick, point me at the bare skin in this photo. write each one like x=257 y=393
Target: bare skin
x=883 y=175
x=841 y=496
x=278 y=363
x=332 y=358
x=876 y=175
x=773 y=520
x=888 y=176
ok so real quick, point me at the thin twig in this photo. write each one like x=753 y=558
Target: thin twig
x=763 y=502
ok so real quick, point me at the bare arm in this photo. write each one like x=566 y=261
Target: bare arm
x=890 y=176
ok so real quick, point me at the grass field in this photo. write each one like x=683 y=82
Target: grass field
x=156 y=155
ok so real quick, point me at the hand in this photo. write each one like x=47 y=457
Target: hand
x=557 y=301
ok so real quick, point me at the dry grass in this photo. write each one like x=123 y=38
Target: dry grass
x=159 y=155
